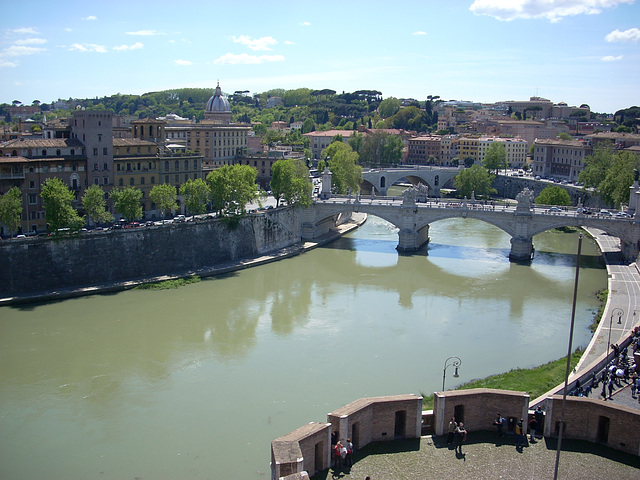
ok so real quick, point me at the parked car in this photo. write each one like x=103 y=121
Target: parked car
x=179 y=219
x=605 y=213
x=555 y=209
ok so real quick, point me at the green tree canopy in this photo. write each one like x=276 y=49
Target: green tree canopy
x=389 y=107
x=11 y=209
x=610 y=173
x=496 y=157
x=290 y=182
x=475 y=179
x=58 y=209
x=553 y=195
x=95 y=205
x=127 y=202
x=343 y=164
x=381 y=149
x=196 y=195
x=164 y=196
x=232 y=187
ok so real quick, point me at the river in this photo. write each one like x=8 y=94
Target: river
x=194 y=383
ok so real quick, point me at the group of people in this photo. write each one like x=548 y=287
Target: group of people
x=342 y=452
x=536 y=425
x=457 y=434
x=621 y=368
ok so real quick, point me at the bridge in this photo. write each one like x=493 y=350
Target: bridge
x=379 y=181
x=521 y=221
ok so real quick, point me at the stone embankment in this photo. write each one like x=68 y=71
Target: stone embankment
x=34 y=270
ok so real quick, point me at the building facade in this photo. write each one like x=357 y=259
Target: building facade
x=563 y=159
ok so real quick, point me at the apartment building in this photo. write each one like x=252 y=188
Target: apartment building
x=562 y=159
x=516 y=149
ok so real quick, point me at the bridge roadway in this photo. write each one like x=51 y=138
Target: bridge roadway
x=522 y=221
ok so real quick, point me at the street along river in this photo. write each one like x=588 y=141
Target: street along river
x=194 y=383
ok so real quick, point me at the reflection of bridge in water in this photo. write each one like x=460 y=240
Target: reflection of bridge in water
x=522 y=221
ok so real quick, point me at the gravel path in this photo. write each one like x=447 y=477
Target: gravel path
x=431 y=457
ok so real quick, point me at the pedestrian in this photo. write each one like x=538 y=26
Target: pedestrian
x=348 y=461
x=533 y=426
x=452 y=430
x=610 y=387
x=520 y=434
x=539 y=416
x=461 y=436
x=337 y=458
x=498 y=422
x=634 y=377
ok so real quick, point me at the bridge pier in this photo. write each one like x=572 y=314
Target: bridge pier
x=521 y=249
x=630 y=251
x=410 y=239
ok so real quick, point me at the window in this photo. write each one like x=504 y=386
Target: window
x=32 y=199
x=95 y=181
x=131 y=181
x=105 y=180
x=99 y=137
x=104 y=151
x=153 y=180
x=58 y=152
x=120 y=182
x=195 y=164
x=186 y=164
x=95 y=167
x=141 y=180
x=177 y=165
x=95 y=151
x=166 y=179
x=105 y=166
x=44 y=153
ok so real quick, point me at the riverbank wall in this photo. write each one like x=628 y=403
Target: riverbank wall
x=510 y=187
x=36 y=267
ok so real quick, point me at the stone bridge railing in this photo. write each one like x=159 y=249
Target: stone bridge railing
x=522 y=221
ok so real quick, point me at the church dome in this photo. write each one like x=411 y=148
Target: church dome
x=218 y=103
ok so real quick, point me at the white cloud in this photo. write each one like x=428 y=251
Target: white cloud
x=145 y=32
x=4 y=63
x=88 y=47
x=30 y=41
x=134 y=46
x=419 y=32
x=246 y=59
x=289 y=42
x=68 y=29
x=28 y=30
x=631 y=35
x=20 y=50
x=90 y=17
x=611 y=58
x=305 y=24
x=183 y=62
x=262 y=43
x=553 y=10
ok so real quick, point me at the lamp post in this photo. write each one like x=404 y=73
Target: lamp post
x=619 y=312
x=455 y=362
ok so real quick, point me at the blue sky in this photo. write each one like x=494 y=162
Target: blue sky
x=576 y=51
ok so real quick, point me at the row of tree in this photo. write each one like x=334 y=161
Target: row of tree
x=226 y=191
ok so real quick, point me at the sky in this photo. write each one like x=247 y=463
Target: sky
x=573 y=51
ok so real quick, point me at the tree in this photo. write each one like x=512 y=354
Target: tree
x=127 y=202
x=564 y=136
x=389 y=107
x=616 y=186
x=232 y=187
x=11 y=209
x=346 y=173
x=58 y=209
x=553 y=195
x=308 y=125
x=95 y=205
x=474 y=179
x=496 y=157
x=164 y=196
x=596 y=166
x=381 y=148
x=290 y=181
x=196 y=195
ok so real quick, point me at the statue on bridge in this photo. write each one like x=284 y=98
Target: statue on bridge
x=409 y=197
x=525 y=200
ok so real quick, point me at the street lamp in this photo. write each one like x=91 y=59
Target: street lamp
x=456 y=362
x=619 y=312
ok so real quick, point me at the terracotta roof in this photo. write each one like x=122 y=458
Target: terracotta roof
x=42 y=143
x=18 y=159
x=132 y=142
